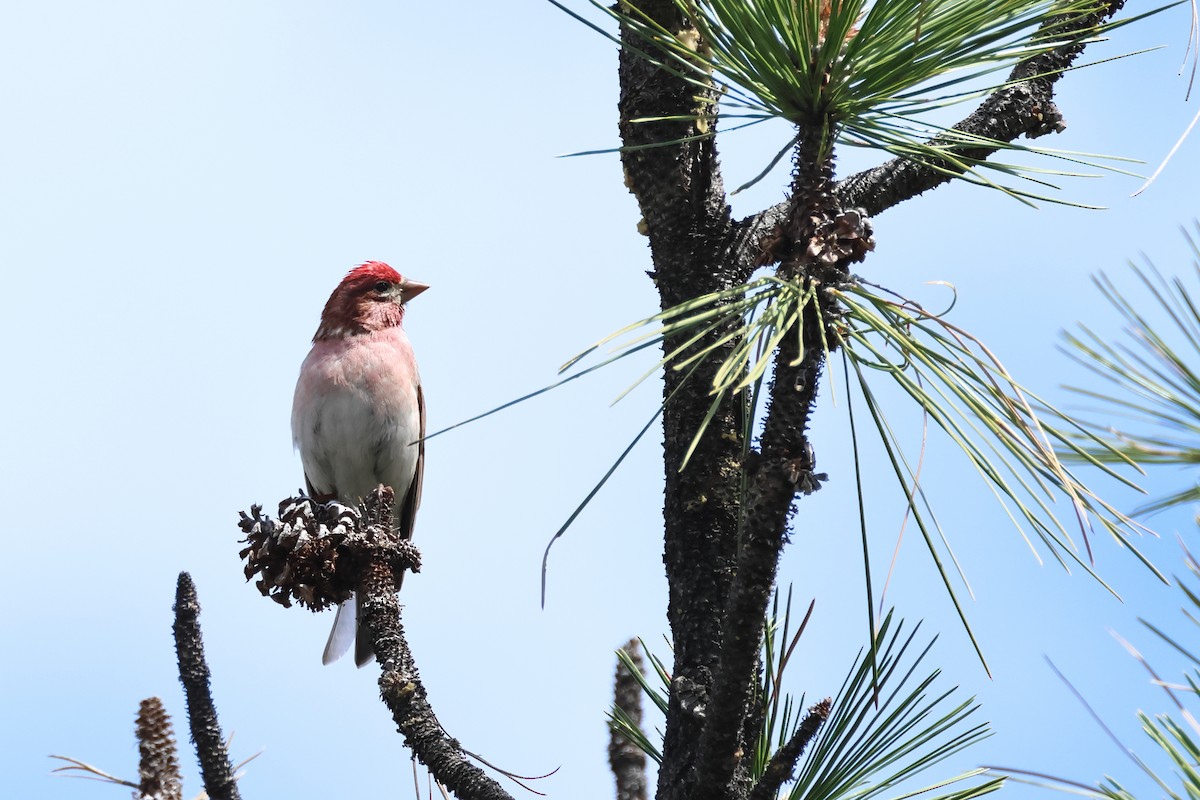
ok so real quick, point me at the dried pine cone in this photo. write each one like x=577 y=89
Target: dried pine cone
x=159 y=764
x=315 y=551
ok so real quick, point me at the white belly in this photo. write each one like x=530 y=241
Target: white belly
x=356 y=418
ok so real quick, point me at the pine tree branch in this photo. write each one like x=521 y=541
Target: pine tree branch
x=215 y=766
x=692 y=241
x=1023 y=107
x=782 y=765
x=818 y=244
x=719 y=583
x=316 y=554
x=405 y=696
x=776 y=475
x=625 y=759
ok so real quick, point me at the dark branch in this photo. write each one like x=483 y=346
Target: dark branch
x=819 y=243
x=215 y=767
x=402 y=691
x=317 y=553
x=692 y=242
x=776 y=476
x=1023 y=108
x=749 y=233
x=626 y=759
x=782 y=765
x=723 y=541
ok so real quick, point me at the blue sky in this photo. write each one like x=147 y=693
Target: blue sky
x=183 y=186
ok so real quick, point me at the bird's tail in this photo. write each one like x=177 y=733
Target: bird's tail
x=348 y=626
x=343 y=632
x=349 y=623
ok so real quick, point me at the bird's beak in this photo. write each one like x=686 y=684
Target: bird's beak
x=410 y=289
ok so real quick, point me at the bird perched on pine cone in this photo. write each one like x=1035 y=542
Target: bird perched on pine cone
x=358 y=416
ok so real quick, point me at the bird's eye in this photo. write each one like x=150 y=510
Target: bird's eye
x=382 y=286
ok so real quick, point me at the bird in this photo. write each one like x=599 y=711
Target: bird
x=358 y=415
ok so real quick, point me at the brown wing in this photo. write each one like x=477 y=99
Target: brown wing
x=412 y=500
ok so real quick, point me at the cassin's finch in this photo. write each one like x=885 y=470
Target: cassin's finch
x=358 y=416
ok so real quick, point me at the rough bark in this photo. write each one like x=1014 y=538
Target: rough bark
x=402 y=691
x=722 y=549
x=625 y=758
x=1025 y=107
x=215 y=767
x=782 y=766
x=687 y=219
x=316 y=554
